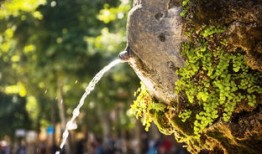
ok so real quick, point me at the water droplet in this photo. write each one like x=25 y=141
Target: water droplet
x=53 y=3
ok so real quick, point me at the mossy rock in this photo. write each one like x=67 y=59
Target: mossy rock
x=242 y=18
x=217 y=101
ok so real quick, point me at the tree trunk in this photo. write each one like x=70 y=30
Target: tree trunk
x=61 y=109
x=104 y=121
x=156 y=32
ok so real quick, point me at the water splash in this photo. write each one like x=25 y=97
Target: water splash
x=88 y=90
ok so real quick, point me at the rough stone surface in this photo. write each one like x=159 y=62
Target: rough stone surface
x=155 y=34
x=154 y=38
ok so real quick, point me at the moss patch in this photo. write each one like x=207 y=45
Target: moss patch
x=221 y=81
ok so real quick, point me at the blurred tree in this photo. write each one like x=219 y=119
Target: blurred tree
x=13 y=13
x=13 y=114
x=53 y=48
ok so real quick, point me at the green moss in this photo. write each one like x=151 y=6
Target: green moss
x=213 y=83
x=210 y=30
x=163 y=123
x=216 y=81
x=184 y=11
x=185 y=115
x=145 y=108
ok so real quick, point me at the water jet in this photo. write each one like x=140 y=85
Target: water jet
x=88 y=90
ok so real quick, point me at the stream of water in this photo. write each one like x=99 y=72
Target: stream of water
x=88 y=90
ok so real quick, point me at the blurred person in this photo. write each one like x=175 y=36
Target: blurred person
x=120 y=146
x=31 y=148
x=129 y=149
x=42 y=147
x=91 y=144
x=99 y=149
x=110 y=144
x=165 y=145
x=153 y=147
x=80 y=146
x=21 y=147
x=5 y=146
x=145 y=143
x=55 y=148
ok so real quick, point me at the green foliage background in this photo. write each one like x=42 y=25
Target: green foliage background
x=46 y=45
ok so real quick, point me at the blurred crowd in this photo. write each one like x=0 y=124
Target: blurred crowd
x=93 y=144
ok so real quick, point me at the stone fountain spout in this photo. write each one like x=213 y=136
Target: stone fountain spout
x=154 y=38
